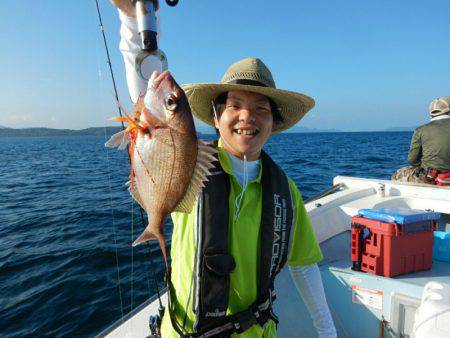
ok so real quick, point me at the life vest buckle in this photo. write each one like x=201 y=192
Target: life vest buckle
x=244 y=320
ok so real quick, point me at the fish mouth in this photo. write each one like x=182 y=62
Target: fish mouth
x=157 y=78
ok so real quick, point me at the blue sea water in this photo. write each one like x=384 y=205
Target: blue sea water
x=66 y=223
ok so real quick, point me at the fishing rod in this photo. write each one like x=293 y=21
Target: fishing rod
x=145 y=13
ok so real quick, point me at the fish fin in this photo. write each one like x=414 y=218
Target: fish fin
x=148 y=235
x=135 y=193
x=119 y=140
x=205 y=159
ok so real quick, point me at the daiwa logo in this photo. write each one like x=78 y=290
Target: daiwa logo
x=215 y=314
x=279 y=231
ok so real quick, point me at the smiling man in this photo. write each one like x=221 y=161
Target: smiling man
x=249 y=220
x=250 y=214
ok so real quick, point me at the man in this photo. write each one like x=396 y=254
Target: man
x=250 y=218
x=429 y=154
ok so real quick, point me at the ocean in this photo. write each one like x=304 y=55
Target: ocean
x=67 y=221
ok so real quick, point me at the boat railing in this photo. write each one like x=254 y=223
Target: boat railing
x=332 y=190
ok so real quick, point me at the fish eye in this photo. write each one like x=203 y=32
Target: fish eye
x=170 y=102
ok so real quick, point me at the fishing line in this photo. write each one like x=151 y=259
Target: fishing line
x=238 y=200
x=132 y=255
x=114 y=233
x=109 y=178
x=149 y=252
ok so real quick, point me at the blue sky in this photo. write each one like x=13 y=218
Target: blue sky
x=370 y=65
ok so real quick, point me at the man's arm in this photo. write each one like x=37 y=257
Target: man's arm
x=304 y=253
x=415 y=150
x=125 y=6
x=308 y=281
x=130 y=48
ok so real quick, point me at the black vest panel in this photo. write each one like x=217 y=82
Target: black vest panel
x=276 y=220
x=213 y=262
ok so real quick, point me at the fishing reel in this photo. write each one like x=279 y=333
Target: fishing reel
x=146 y=19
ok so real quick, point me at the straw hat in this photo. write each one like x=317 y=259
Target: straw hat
x=252 y=75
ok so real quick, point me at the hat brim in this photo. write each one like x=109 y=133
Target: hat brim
x=436 y=113
x=292 y=106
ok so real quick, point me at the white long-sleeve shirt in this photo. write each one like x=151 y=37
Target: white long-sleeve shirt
x=306 y=278
x=130 y=48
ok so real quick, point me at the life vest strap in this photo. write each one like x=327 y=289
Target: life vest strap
x=257 y=313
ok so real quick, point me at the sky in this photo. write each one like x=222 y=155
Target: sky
x=369 y=65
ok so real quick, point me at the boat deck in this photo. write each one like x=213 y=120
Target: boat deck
x=367 y=299
x=359 y=302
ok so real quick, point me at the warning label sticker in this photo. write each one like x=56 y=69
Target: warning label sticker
x=367 y=297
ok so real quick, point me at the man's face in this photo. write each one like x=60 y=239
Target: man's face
x=245 y=124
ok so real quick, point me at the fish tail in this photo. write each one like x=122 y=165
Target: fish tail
x=148 y=235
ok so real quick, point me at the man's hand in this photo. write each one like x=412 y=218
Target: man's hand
x=125 y=6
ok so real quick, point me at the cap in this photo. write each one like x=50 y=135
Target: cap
x=439 y=106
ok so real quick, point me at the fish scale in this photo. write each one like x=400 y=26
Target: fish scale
x=170 y=169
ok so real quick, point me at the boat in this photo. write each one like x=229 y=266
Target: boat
x=362 y=304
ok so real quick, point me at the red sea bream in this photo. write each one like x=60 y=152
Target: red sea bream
x=168 y=163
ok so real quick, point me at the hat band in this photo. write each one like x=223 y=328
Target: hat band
x=247 y=82
x=436 y=113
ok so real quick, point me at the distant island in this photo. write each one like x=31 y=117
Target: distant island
x=301 y=129
x=401 y=129
x=33 y=132
x=101 y=131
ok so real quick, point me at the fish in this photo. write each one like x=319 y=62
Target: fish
x=168 y=164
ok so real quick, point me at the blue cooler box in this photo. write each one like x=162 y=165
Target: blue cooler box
x=441 y=246
x=399 y=215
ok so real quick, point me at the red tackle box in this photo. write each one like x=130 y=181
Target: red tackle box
x=390 y=242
